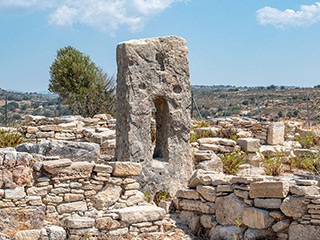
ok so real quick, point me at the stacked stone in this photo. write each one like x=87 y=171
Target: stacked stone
x=99 y=129
x=251 y=207
x=217 y=145
x=100 y=199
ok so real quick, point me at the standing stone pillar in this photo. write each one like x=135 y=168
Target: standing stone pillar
x=155 y=72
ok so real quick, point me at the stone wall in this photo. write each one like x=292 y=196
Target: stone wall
x=58 y=198
x=100 y=129
x=251 y=207
x=267 y=132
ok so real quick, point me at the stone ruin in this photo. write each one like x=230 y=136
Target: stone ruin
x=57 y=190
x=154 y=71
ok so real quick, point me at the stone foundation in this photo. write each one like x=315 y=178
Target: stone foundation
x=251 y=207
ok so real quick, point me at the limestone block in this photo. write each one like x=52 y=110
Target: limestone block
x=38 y=191
x=102 y=168
x=190 y=205
x=77 y=170
x=210 y=147
x=280 y=226
x=214 y=164
x=226 y=232
x=206 y=221
x=207 y=192
x=195 y=224
x=202 y=155
x=32 y=129
x=253 y=234
x=228 y=209
x=244 y=134
x=305 y=232
x=15 y=193
x=108 y=196
x=27 y=235
x=148 y=213
x=269 y=203
x=188 y=194
x=125 y=169
x=249 y=145
x=294 y=206
x=45 y=134
x=78 y=151
x=304 y=190
x=56 y=233
x=276 y=133
x=214 y=140
x=53 y=166
x=107 y=223
x=201 y=177
x=159 y=74
x=72 y=207
x=79 y=222
x=135 y=199
x=269 y=189
x=257 y=218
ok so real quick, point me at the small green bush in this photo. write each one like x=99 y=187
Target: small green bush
x=232 y=161
x=274 y=165
x=10 y=139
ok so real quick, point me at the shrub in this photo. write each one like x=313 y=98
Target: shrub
x=10 y=139
x=306 y=162
x=232 y=161
x=274 y=165
x=309 y=140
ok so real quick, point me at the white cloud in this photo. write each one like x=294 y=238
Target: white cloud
x=105 y=15
x=307 y=15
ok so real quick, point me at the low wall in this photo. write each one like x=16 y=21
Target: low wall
x=251 y=207
x=48 y=197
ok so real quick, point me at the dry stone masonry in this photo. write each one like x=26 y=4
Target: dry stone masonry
x=58 y=198
x=251 y=207
x=154 y=72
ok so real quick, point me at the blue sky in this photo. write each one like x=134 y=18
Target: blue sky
x=236 y=42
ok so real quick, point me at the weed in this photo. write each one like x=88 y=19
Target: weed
x=234 y=138
x=306 y=162
x=161 y=196
x=10 y=139
x=232 y=161
x=147 y=196
x=274 y=165
x=239 y=222
x=195 y=135
x=153 y=133
x=200 y=124
x=85 y=237
x=308 y=140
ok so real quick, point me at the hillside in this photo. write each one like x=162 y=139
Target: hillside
x=275 y=104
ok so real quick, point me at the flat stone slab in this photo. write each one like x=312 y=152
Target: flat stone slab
x=15 y=193
x=76 y=170
x=79 y=222
x=141 y=214
x=54 y=165
x=124 y=169
x=271 y=189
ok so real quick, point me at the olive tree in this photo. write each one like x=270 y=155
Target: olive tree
x=82 y=85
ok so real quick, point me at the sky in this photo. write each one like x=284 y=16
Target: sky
x=231 y=42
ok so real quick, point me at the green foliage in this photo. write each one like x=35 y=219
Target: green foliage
x=153 y=133
x=147 y=196
x=274 y=165
x=194 y=136
x=232 y=161
x=161 y=196
x=308 y=140
x=10 y=139
x=81 y=84
x=306 y=162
